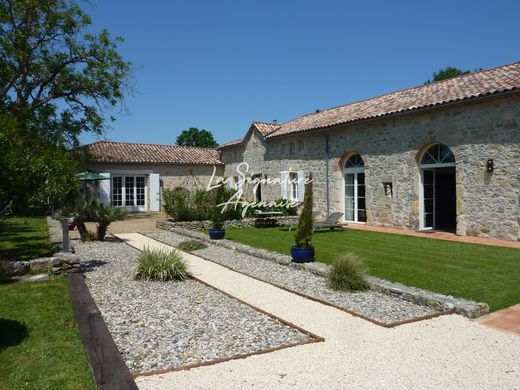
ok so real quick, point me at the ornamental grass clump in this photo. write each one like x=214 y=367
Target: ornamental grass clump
x=191 y=245
x=347 y=274
x=161 y=265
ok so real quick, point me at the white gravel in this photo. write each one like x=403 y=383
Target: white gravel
x=374 y=305
x=448 y=352
x=162 y=325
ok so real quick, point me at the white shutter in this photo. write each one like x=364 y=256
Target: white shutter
x=104 y=189
x=155 y=192
x=283 y=184
x=301 y=185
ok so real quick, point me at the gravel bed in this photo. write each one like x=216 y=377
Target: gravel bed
x=162 y=325
x=370 y=304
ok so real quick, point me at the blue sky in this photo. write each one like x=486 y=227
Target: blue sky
x=219 y=65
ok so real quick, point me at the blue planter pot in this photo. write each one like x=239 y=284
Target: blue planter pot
x=216 y=234
x=302 y=255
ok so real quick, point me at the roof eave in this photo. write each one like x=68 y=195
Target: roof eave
x=397 y=113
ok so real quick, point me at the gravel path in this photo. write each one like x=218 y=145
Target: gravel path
x=374 y=305
x=161 y=325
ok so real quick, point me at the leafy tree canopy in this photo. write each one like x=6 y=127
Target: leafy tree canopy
x=196 y=137
x=447 y=73
x=49 y=63
x=58 y=79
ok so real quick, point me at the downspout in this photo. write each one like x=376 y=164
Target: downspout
x=327 y=185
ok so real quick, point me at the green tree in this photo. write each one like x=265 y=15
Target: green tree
x=447 y=73
x=196 y=137
x=57 y=80
x=303 y=237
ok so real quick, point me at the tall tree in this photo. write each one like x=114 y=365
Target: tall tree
x=196 y=137
x=447 y=73
x=57 y=80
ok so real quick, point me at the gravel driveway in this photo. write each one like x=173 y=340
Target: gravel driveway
x=163 y=325
x=374 y=305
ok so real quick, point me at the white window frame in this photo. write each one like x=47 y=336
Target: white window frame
x=293 y=189
x=134 y=206
x=353 y=171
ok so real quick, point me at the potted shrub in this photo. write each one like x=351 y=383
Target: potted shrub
x=217 y=231
x=303 y=251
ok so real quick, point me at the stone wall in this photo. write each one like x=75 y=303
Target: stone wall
x=239 y=223
x=487 y=203
x=253 y=152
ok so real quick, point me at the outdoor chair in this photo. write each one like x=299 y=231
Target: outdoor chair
x=331 y=222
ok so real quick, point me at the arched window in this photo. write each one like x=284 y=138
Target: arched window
x=354 y=175
x=438 y=154
x=354 y=161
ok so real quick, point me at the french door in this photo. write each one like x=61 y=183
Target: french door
x=355 y=202
x=428 y=182
x=129 y=192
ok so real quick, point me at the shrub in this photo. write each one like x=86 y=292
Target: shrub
x=104 y=216
x=162 y=265
x=303 y=235
x=191 y=245
x=182 y=205
x=347 y=274
x=175 y=203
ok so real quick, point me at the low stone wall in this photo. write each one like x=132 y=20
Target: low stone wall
x=167 y=224
x=418 y=296
x=59 y=262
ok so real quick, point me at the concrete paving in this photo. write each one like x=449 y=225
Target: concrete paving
x=441 y=353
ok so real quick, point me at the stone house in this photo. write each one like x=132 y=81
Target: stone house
x=441 y=156
x=138 y=172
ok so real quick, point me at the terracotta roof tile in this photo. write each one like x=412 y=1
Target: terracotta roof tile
x=266 y=128
x=487 y=82
x=130 y=153
x=230 y=144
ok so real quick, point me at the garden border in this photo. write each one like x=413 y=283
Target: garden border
x=108 y=369
x=314 y=337
x=311 y=298
x=440 y=302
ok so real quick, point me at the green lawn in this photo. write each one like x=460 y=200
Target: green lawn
x=40 y=346
x=478 y=272
x=23 y=238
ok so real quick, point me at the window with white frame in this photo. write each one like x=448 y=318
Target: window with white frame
x=292 y=185
x=293 y=180
x=129 y=191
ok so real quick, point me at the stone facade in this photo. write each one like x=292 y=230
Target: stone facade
x=487 y=203
x=171 y=175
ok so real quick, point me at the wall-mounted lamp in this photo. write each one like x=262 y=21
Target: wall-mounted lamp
x=490 y=165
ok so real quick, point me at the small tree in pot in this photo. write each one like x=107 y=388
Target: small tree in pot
x=303 y=251
x=217 y=231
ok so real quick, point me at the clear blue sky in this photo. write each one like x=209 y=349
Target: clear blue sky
x=221 y=64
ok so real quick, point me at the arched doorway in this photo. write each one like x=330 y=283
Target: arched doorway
x=438 y=189
x=354 y=176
